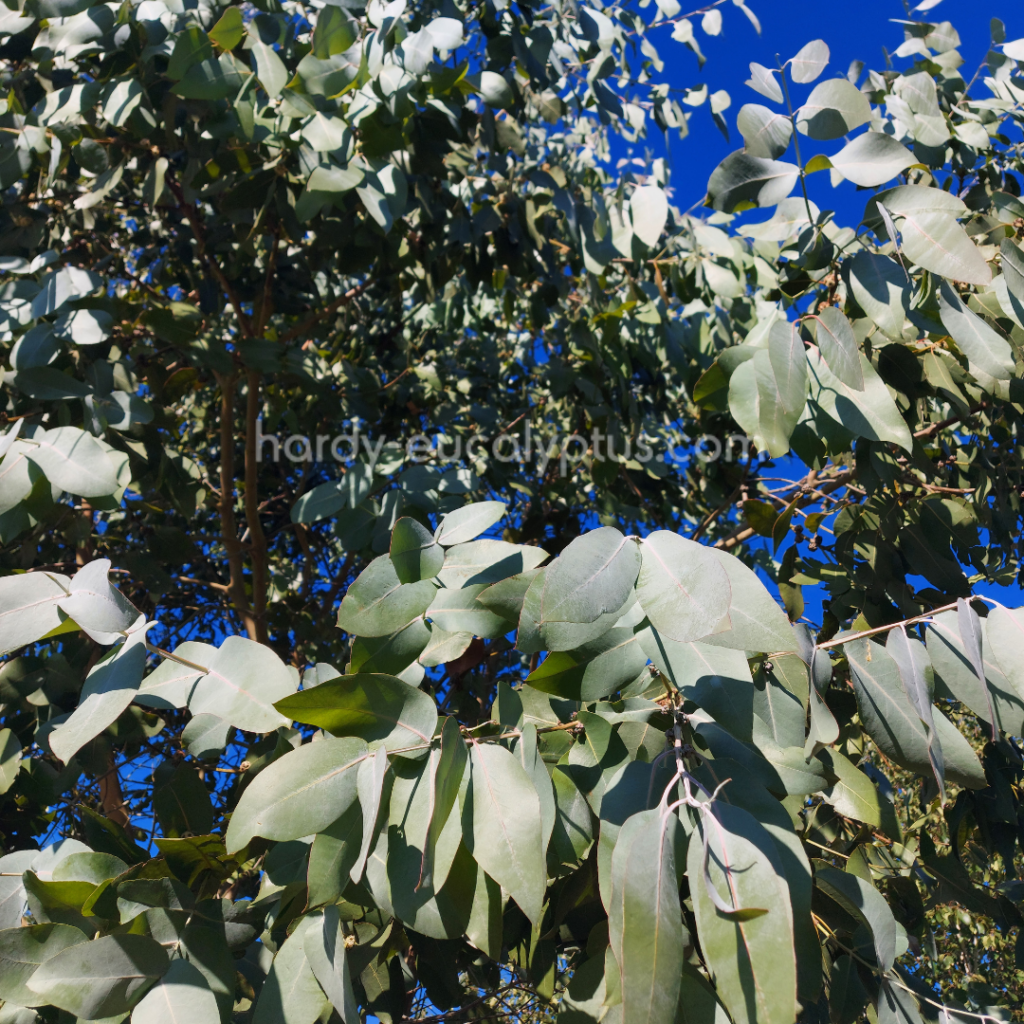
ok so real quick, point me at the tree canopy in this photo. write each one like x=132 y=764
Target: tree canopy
x=407 y=513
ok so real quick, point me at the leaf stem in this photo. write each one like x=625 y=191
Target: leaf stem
x=796 y=141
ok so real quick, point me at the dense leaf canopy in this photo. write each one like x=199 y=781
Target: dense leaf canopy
x=406 y=512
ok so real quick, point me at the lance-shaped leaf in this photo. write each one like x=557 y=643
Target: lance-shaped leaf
x=745 y=180
x=101 y=978
x=839 y=346
x=860 y=898
x=414 y=552
x=291 y=993
x=29 y=607
x=22 y=950
x=446 y=767
x=591 y=577
x=99 y=608
x=502 y=826
x=325 y=951
x=109 y=689
x=379 y=708
x=894 y=725
x=682 y=587
x=533 y=764
x=370 y=787
x=763 y=80
x=244 y=681
x=872 y=159
x=468 y=522
x=1012 y=262
x=881 y=289
x=970 y=638
x=378 y=603
x=911 y=672
x=298 y=794
x=979 y=342
x=750 y=955
x=653 y=937
x=824 y=730
x=333 y=854
x=182 y=994
x=1004 y=629
x=834 y=108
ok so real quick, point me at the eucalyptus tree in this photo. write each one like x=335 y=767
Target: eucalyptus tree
x=437 y=681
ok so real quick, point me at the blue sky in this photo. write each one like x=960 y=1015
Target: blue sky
x=853 y=29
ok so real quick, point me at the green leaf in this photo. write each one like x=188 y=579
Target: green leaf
x=860 y=898
x=244 y=681
x=839 y=346
x=458 y=611
x=291 y=993
x=101 y=978
x=182 y=994
x=228 y=31
x=593 y=576
x=488 y=562
x=870 y=413
x=192 y=46
x=853 y=794
x=332 y=856
x=390 y=654
x=270 y=69
x=752 y=958
x=763 y=80
x=181 y=800
x=648 y=210
x=84 y=326
x=742 y=179
x=1012 y=263
x=414 y=552
x=895 y=726
x=833 y=109
x=847 y=997
x=10 y=761
x=370 y=786
x=682 y=586
x=378 y=603
x=22 y=950
x=468 y=522
x=528 y=752
x=809 y=62
x=379 y=708
x=1004 y=635
x=979 y=342
x=322 y=502
x=28 y=607
x=494 y=90
x=880 y=287
x=73 y=461
x=109 y=688
x=593 y=671
x=213 y=79
x=298 y=794
x=651 y=956
x=447 y=766
x=97 y=606
x=502 y=826
x=324 y=948
x=766 y=134
x=170 y=683
x=872 y=159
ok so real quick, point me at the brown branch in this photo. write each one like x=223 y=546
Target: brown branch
x=331 y=307
x=936 y=427
x=257 y=538
x=893 y=625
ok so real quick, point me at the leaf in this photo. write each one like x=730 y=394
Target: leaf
x=291 y=994
x=979 y=342
x=101 y=978
x=593 y=671
x=1004 y=630
x=182 y=994
x=681 y=586
x=109 y=688
x=865 y=902
x=10 y=762
x=752 y=958
x=853 y=794
x=61 y=287
x=495 y=91
x=756 y=622
x=1012 y=263
x=824 y=730
x=833 y=109
x=96 y=605
x=28 y=607
x=170 y=683
x=322 y=502
x=300 y=793
x=533 y=764
x=743 y=180
x=457 y=611
x=228 y=31
x=244 y=681
x=378 y=708
x=839 y=347
x=911 y=673
x=84 y=326
x=970 y=638
x=502 y=826
x=653 y=938
x=447 y=769
x=378 y=603
x=212 y=79
x=73 y=461
x=324 y=948
x=809 y=62
x=766 y=134
x=22 y=950
x=390 y=654
x=270 y=69
x=895 y=726
x=763 y=80
x=370 y=786
x=593 y=576
x=334 y=853
x=872 y=159
x=468 y=522
x=414 y=552
x=487 y=562
x=870 y=413
x=880 y=288
x=648 y=210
